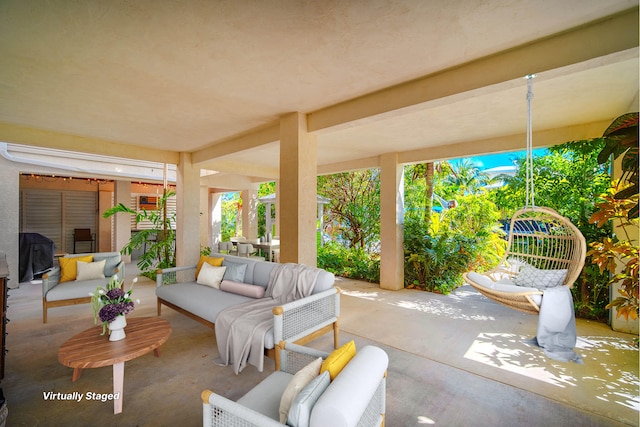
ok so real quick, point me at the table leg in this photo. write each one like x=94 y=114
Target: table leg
x=118 y=387
x=156 y=352
x=76 y=374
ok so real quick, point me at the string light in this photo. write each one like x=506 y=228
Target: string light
x=89 y=181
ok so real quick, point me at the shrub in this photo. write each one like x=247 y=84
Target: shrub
x=464 y=238
x=435 y=263
x=354 y=263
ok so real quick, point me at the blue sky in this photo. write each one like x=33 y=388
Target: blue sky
x=502 y=159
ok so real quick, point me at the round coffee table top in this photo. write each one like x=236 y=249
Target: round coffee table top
x=89 y=349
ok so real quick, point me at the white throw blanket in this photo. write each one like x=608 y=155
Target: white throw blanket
x=240 y=329
x=557 y=325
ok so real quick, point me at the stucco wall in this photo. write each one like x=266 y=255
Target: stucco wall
x=9 y=216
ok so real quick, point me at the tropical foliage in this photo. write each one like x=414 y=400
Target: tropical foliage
x=353 y=262
x=159 y=239
x=617 y=254
x=466 y=237
x=353 y=214
x=442 y=244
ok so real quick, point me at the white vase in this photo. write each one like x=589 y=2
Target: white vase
x=116 y=328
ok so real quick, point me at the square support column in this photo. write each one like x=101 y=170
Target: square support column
x=104 y=243
x=187 y=212
x=122 y=223
x=250 y=213
x=216 y=218
x=297 y=191
x=205 y=218
x=391 y=223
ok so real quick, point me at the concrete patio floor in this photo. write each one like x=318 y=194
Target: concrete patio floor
x=455 y=360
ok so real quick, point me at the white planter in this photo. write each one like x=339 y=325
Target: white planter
x=116 y=328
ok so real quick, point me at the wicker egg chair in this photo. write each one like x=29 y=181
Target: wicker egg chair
x=542 y=244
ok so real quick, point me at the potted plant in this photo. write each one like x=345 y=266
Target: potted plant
x=110 y=305
x=159 y=240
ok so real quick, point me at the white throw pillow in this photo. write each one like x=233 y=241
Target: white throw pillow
x=530 y=276
x=297 y=383
x=210 y=275
x=90 y=270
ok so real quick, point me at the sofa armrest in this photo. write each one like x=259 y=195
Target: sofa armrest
x=220 y=411
x=171 y=275
x=50 y=279
x=120 y=270
x=294 y=357
x=302 y=317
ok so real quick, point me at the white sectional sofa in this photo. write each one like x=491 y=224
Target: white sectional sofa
x=57 y=293
x=299 y=321
x=355 y=397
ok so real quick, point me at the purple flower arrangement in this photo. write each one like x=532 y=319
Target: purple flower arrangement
x=111 y=302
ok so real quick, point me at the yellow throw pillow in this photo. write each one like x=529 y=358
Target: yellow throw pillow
x=214 y=261
x=69 y=267
x=338 y=359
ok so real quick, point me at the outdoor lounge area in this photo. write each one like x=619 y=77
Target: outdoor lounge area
x=454 y=360
x=117 y=104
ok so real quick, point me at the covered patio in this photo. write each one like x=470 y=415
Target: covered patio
x=238 y=94
x=234 y=94
x=455 y=360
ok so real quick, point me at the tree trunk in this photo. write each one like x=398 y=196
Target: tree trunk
x=428 y=201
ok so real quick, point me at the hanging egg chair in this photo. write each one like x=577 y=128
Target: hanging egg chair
x=544 y=250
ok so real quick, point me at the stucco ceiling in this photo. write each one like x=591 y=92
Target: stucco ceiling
x=183 y=76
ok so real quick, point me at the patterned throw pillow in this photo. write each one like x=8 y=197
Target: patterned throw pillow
x=532 y=277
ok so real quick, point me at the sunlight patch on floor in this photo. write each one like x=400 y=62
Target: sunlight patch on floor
x=507 y=352
x=613 y=383
x=371 y=296
x=440 y=308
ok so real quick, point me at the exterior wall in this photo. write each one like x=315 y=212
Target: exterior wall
x=9 y=216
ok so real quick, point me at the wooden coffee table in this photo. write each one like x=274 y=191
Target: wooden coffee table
x=89 y=349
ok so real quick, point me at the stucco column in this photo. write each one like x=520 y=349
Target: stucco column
x=276 y=232
x=187 y=212
x=297 y=191
x=250 y=213
x=104 y=243
x=216 y=218
x=391 y=223
x=205 y=217
x=122 y=223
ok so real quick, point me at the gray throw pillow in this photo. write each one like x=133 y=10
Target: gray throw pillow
x=300 y=411
x=235 y=271
x=111 y=262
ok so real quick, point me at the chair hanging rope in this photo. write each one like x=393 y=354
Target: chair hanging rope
x=530 y=196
